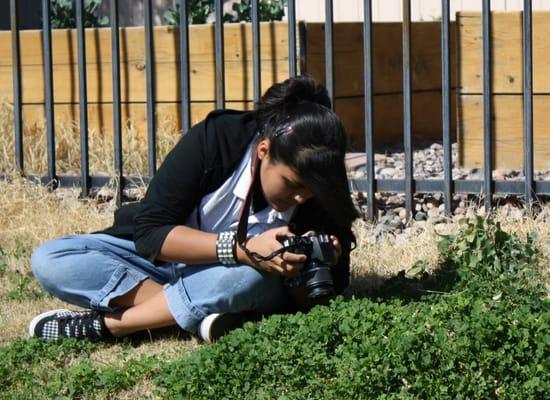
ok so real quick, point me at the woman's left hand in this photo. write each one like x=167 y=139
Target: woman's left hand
x=335 y=243
x=337 y=248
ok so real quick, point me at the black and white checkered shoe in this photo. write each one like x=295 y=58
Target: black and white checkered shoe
x=63 y=323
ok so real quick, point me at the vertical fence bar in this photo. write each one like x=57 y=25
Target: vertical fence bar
x=487 y=124
x=48 y=81
x=184 y=68
x=367 y=65
x=117 y=125
x=83 y=100
x=150 y=74
x=329 y=49
x=16 y=71
x=292 y=70
x=446 y=102
x=256 y=50
x=528 y=100
x=407 y=107
x=220 y=67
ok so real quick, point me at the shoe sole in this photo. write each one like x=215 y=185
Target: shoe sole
x=215 y=326
x=34 y=321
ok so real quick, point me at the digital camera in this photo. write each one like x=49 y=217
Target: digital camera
x=315 y=276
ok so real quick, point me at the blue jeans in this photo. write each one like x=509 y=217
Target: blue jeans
x=91 y=270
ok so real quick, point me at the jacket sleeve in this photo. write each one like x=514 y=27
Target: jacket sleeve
x=172 y=194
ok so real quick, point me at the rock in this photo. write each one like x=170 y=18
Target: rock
x=433 y=212
x=459 y=211
x=418 y=207
x=420 y=216
x=388 y=172
x=395 y=200
x=396 y=223
x=436 y=220
x=402 y=212
x=420 y=226
x=401 y=238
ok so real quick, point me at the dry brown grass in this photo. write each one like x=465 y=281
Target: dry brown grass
x=67 y=147
x=373 y=261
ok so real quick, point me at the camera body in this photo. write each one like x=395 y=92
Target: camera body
x=315 y=276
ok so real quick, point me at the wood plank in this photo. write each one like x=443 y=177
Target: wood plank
x=506 y=36
x=100 y=116
x=237 y=41
x=508 y=131
x=388 y=119
x=238 y=63
x=238 y=81
x=387 y=56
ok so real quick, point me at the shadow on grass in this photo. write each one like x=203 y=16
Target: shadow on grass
x=403 y=286
x=153 y=335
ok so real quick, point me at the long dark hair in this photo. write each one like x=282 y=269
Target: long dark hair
x=308 y=136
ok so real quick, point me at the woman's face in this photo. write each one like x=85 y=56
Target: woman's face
x=282 y=187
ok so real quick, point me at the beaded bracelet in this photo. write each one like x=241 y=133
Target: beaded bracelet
x=225 y=247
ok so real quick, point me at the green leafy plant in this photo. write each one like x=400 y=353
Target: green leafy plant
x=66 y=370
x=63 y=14
x=199 y=10
x=483 y=334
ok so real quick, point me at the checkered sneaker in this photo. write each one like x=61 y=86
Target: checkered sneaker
x=63 y=323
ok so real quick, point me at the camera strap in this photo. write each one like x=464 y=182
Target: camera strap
x=242 y=226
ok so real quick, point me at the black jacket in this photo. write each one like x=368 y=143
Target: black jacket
x=199 y=163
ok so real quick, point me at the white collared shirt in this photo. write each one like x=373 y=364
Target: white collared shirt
x=220 y=210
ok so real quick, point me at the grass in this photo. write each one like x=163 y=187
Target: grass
x=31 y=214
x=67 y=148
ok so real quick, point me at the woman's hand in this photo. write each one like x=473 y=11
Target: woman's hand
x=335 y=243
x=288 y=264
x=337 y=248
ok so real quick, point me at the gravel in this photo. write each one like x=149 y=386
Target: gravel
x=393 y=221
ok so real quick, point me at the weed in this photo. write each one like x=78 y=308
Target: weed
x=26 y=287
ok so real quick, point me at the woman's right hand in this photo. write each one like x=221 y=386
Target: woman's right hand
x=288 y=264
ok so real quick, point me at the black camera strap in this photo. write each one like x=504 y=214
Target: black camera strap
x=242 y=227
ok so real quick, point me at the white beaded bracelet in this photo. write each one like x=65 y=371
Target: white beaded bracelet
x=225 y=247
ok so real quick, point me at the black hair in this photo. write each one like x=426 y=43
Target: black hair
x=309 y=137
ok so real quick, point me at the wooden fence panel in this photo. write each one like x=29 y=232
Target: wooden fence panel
x=387 y=78
x=507 y=86
x=238 y=63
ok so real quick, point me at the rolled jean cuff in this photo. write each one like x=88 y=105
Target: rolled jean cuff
x=187 y=316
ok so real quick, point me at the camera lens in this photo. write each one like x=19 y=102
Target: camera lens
x=317 y=280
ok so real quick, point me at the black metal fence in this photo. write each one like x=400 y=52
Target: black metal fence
x=369 y=184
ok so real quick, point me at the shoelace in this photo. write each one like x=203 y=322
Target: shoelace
x=80 y=325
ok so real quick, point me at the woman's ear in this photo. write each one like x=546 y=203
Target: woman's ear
x=262 y=148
